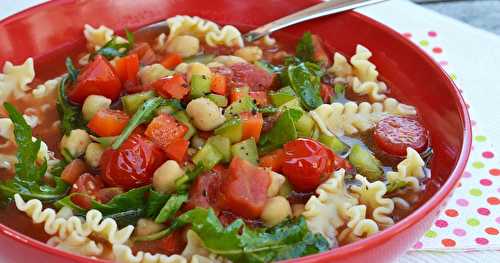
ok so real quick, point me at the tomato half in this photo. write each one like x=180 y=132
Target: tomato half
x=307 y=163
x=394 y=134
x=97 y=78
x=87 y=185
x=133 y=164
x=165 y=129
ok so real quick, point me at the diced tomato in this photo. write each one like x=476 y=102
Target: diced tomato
x=107 y=122
x=164 y=129
x=218 y=84
x=307 y=163
x=320 y=53
x=146 y=54
x=244 y=189
x=87 y=186
x=245 y=74
x=97 y=78
x=127 y=68
x=73 y=170
x=252 y=125
x=133 y=164
x=394 y=134
x=106 y=194
x=326 y=93
x=173 y=243
x=177 y=150
x=273 y=160
x=172 y=87
x=205 y=189
x=171 y=60
x=260 y=97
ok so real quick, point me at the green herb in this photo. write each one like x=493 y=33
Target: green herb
x=282 y=132
x=339 y=89
x=144 y=114
x=57 y=169
x=104 y=141
x=156 y=201
x=268 y=110
x=114 y=49
x=173 y=205
x=72 y=71
x=395 y=185
x=305 y=48
x=70 y=115
x=304 y=79
x=239 y=243
x=28 y=181
x=265 y=65
x=183 y=183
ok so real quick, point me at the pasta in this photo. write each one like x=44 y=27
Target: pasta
x=124 y=254
x=46 y=88
x=98 y=37
x=77 y=244
x=374 y=89
x=362 y=67
x=358 y=226
x=410 y=170
x=15 y=79
x=204 y=29
x=372 y=195
x=151 y=73
x=351 y=118
x=341 y=68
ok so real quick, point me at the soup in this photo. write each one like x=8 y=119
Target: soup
x=195 y=145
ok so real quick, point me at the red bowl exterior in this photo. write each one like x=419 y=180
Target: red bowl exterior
x=50 y=31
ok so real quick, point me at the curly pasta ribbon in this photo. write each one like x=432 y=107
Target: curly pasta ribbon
x=409 y=170
x=372 y=195
x=15 y=79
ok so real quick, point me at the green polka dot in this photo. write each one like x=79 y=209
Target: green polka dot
x=480 y=138
x=453 y=76
x=478 y=165
x=475 y=192
x=424 y=43
x=472 y=222
x=431 y=234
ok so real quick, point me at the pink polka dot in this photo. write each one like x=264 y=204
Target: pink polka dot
x=485 y=182
x=497 y=219
x=444 y=63
x=483 y=211
x=488 y=154
x=441 y=223
x=407 y=34
x=495 y=172
x=462 y=202
x=418 y=245
x=437 y=50
x=466 y=174
x=482 y=241
x=432 y=33
x=498 y=190
x=459 y=232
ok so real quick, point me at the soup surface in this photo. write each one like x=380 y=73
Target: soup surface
x=194 y=144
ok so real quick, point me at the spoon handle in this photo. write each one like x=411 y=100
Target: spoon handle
x=321 y=9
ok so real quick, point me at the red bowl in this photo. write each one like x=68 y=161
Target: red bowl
x=50 y=31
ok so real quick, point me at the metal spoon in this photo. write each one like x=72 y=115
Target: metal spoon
x=315 y=11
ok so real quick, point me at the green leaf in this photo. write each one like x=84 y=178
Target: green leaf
x=144 y=114
x=395 y=185
x=72 y=71
x=70 y=115
x=282 y=132
x=305 y=48
x=183 y=183
x=305 y=79
x=114 y=49
x=57 y=169
x=268 y=110
x=156 y=201
x=173 y=205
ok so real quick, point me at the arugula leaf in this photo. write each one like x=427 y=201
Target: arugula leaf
x=268 y=110
x=114 y=49
x=305 y=48
x=28 y=180
x=72 y=71
x=282 y=132
x=70 y=115
x=183 y=183
x=304 y=79
x=144 y=114
x=57 y=169
x=173 y=205
x=156 y=200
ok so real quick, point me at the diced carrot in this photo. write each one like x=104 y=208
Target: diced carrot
x=273 y=160
x=171 y=60
x=73 y=170
x=172 y=87
x=177 y=149
x=252 y=125
x=164 y=129
x=127 y=68
x=260 y=97
x=219 y=84
x=107 y=122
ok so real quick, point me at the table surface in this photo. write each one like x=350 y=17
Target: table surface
x=483 y=14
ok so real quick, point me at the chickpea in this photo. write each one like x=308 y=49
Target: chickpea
x=185 y=46
x=205 y=113
x=93 y=104
x=182 y=68
x=6 y=128
x=276 y=210
x=75 y=143
x=93 y=154
x=164 y=177
x=146 y=227
x=250 y=54
x=152 y=73
x=277 y=180
x=198 y=69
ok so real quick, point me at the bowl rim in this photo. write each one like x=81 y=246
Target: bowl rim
x=434 y=202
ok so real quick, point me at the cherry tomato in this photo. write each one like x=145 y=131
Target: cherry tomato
x=394 y=134
x=73 y=170
x=244 y=189
x=133 y=164
x=87 y=185
x=307 y=163
x=97 y=78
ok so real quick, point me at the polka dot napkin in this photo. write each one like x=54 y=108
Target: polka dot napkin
x=471 y=218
